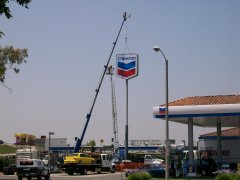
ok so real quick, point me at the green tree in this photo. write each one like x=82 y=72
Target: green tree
x=10 y=57
x=91 y=143
x=4 y=9
x=101 y=141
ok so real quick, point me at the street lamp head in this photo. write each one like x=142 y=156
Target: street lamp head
x=156 y=48
x=51 y=133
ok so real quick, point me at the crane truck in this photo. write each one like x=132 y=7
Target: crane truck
x=82 y=163
x=80 y=140
x=103 y=163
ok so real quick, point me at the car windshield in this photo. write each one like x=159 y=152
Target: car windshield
x=26 y=163
x=84 y=155
x=74 y=154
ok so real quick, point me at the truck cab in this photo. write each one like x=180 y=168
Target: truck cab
x=107 y=163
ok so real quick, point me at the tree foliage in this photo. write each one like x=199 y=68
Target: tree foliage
x=101 y=141
x=10 y=58
x=4 y=9
x=91 y=143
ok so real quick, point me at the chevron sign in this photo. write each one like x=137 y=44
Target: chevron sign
x=127 y=65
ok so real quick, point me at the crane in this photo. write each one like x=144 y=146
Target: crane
x=110 y=71
x=80 y=140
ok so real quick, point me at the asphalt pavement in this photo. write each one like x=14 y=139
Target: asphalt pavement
x=64 y=176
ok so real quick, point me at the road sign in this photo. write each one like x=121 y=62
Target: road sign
x=127 y=65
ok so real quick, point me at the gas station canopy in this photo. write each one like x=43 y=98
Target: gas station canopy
x=206 y=111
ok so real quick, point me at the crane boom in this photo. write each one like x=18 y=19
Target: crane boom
x=114 y=108
x=79 y=140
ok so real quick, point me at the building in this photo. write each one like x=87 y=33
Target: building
x=207 y=147
x=42 y=144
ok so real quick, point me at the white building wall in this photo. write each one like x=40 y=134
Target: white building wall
x=43 y=144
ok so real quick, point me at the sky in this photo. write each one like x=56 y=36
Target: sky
x=69 y=43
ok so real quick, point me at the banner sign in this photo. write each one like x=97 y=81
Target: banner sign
x=127 y=65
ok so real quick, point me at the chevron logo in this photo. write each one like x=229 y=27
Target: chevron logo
x=162 y=110
x=127 y=65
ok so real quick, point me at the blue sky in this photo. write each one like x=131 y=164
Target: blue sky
x=69 y=42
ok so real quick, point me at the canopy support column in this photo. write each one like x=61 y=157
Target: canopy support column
x=190 y=140
x=219 y=144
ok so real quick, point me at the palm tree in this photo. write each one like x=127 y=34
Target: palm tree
x=101 y=141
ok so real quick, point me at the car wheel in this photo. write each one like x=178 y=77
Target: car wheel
x=70 y=172
x=83 y=171
x=113 y=170
x=47 y=177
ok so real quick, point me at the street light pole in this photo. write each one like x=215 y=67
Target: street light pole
x=167 y=151
x=49 y=141
x=184 y=144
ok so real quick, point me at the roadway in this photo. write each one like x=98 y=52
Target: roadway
x=63 y=176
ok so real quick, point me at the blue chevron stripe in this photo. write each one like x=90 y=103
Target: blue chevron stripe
x=198 y=115
x=127 y=66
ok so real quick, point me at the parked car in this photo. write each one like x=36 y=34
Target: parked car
x=79 y=158
x=156 y=170
x=30 y=168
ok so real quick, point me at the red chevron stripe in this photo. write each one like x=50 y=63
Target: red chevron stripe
x=123 y=73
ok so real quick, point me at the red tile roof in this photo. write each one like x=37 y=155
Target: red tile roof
x=226 y=132
x=207 y=100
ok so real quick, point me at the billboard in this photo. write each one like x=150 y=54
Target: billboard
x=24 y=139
x=127 y=65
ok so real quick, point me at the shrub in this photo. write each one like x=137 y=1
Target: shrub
x=228 y=177
x=139 y=176
x=5 y=162
x=237 y=177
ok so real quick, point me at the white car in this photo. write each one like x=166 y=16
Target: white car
x=32 y=168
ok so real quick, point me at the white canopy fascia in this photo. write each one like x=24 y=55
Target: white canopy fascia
x=203 y=115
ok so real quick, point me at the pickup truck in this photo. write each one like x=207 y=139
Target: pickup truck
x=79 y=158
x=150 y=159
x=30 y=168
